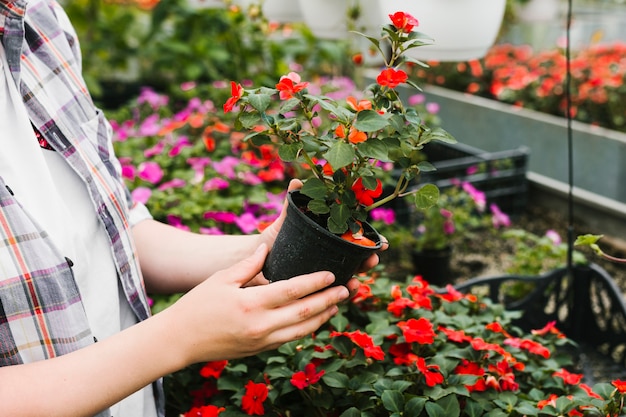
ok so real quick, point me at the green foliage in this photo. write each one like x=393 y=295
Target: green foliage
x=366 y=362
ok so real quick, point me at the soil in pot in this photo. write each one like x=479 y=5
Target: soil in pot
x=303 y=246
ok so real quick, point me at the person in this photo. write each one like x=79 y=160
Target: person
x=77 y=257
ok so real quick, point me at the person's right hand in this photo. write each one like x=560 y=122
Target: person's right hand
x=220 y=319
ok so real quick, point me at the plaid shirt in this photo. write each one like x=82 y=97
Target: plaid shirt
x=41 y=312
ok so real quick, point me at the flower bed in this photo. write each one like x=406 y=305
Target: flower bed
x=404 y=350
x=536 y=80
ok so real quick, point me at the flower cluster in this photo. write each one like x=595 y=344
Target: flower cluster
x=345 y=144
x=518 y=75
x=409 y=350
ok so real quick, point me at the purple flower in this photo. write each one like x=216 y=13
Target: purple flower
x=150 y=172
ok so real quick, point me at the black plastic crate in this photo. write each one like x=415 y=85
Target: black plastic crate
x=500 y=175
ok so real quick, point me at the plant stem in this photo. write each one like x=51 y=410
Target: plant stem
x=401 y=186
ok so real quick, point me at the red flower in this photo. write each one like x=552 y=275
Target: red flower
x=204 y=411
x=290 y=84
x=391 y=78
x=303 y=379
x=213 y=369
x=252 y=401
x=364 y=341
x=568 y=377
x=549 y=328
x=431 y=372
x=364 y=195
x=420 y=331
x=458 y=336
x=620 y=385
x=236 y=91
x=397 y=306
x=472 y=368
x=403 y=21
x=402 y=353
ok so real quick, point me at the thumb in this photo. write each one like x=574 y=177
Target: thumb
x=248 y=268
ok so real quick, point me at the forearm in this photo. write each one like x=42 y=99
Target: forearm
x=89 y=380
x=173 y=260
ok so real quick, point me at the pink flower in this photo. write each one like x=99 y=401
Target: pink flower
x=150 y=172
x=554 y=236
x=175 y=183
x=247 y=223
x=215 y=184
x=387 y=216
x=498 y=218
x=141 y=194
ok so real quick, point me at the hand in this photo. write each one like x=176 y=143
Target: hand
x=219 y=319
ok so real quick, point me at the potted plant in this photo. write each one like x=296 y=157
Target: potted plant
x=405 y=349
x=345 y=147
x=424 y=240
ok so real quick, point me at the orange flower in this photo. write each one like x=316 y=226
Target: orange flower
x=356 y=136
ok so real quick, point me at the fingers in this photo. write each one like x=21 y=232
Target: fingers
x=293 y=289
x=246 y=270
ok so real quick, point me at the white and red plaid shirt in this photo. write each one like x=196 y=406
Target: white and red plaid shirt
x=38 y=293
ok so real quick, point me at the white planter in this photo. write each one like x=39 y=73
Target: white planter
x=328 y=19
x=461 y=29
x=206 y=4
x=282 y=11
x=538 y=10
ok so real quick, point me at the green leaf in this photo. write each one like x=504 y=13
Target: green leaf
x=289 y=152
x=314 y=188
x=339 y=155
x=370 y=121
x=427 y=196
x=393 y=401
x=415 y=406
x=426 y=166
x=351 y=412
x=437 y=134
x=260 y=101
x=318 y=206
x=336 y=380
x=375 y=148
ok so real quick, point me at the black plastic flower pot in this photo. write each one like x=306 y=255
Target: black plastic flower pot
x=433 y=265
x=304 y=246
